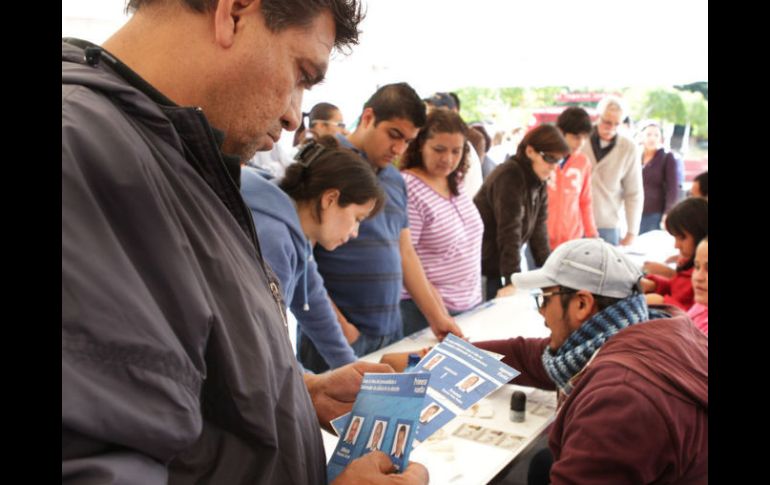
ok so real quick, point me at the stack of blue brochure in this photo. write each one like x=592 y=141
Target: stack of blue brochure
x=391 y=410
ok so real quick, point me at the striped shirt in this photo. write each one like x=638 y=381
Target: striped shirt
x=446 y=233
x=363 y=277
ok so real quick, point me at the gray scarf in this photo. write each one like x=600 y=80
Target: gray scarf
x=577 y=350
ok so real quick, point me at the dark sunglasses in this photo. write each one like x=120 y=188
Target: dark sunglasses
x=550 y=158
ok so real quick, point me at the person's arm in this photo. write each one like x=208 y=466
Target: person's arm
x=633 y=195
x=419 y=289
x=654 y=299
x=653 y=268
x=671 y=182
x=349 y=330
x=538 y=242
x=524 y=355
x=420 y=215
x=598 y=444
x=320 y=322
x=507 y=196
x=333 y=393
x=375 y=468
x=474 y=177
x=586 y=204
x=662 y=284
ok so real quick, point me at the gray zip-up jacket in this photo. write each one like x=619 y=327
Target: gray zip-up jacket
x=176 y=361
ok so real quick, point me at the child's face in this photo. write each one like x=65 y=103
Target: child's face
x=700 y=274
x=686 y=245
x=695 y=190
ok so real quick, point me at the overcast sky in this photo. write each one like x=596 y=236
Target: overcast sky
x=442 y=45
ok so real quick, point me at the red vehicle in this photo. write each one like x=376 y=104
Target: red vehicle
x=549 y=114
x=694 y=167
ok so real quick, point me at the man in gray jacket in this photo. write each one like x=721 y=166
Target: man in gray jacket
x=616 y=180
x=176 y=361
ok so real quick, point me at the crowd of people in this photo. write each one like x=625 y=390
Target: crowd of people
x=181 y=255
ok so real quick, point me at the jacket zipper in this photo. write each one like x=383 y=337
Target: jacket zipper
x=277 y=297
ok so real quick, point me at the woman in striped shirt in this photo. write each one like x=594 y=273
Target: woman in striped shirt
x=445 y=226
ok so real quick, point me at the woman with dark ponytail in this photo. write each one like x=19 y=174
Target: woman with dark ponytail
x=321 y=200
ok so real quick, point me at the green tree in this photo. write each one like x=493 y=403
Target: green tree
x=699 y=87
x=513 y=97
x=665 y=104
x=475 y=102
x=697 y=113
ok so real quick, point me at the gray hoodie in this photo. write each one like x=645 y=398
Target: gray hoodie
x=176 y=361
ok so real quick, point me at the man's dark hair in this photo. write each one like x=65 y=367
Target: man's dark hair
x=321 y=112
x=439 y=121
x=703 y=183
x=456 y=98
x=480 y=128
x=281 y=14
x=477 y=141
x=334 y=167
x=690 y=216
x=397 y=100
x=575 y=121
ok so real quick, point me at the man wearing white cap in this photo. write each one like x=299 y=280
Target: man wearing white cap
x=633 y=380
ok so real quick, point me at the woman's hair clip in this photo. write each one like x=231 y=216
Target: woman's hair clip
x=309 y=152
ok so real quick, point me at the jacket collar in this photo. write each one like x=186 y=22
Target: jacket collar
x=200 y=141
x=533 y=181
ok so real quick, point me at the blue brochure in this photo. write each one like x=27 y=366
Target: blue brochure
x=384 y=417
x=461 y=375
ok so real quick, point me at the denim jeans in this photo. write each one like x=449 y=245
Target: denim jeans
x=610 y=234
x=414 y=320
x=650 y=222
x=312 y=360
x=527 y=255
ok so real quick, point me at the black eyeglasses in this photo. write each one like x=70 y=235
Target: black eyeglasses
x=550 y=158
x=541 y=299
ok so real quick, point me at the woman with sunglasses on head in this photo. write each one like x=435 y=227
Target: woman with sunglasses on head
x=323 y=119
x=513 y=204
x=321 y=200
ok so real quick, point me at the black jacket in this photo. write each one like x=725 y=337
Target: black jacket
x=513 y=203
x=176 y=360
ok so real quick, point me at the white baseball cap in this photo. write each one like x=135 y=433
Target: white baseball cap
x=585 y=264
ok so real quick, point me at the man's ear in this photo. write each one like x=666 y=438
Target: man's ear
x=226 y=17
x=367 y=118
x=583 y=305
